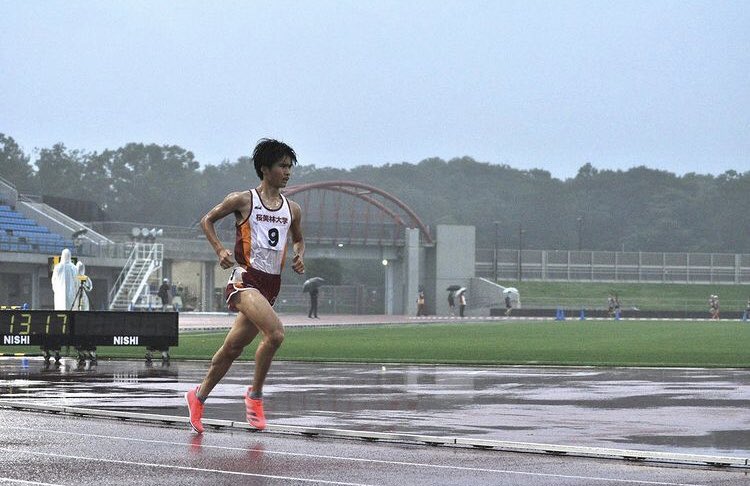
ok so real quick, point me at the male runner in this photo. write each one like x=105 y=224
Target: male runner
x=263 y=218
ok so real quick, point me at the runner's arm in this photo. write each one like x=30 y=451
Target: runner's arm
x=298 y=242
x=233 y=202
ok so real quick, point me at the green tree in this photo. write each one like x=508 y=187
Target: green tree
x=149 y=183
x=14 y=164
x=60 y=172
x=637 y=209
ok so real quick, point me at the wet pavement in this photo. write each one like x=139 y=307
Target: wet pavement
x=700 y=411
x=44 y=449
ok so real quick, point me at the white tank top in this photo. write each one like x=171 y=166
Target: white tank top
x=268 y=233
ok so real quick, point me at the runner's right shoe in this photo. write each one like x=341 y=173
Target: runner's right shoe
x=195 y=407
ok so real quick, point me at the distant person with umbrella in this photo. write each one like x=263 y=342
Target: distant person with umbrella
x=461 y=296
x=451 y=298
x=311 y=285
x=511 y=294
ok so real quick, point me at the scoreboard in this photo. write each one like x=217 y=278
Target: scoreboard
x=19 y=327
x=51 y=329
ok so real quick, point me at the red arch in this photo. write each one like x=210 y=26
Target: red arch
x=363 y=191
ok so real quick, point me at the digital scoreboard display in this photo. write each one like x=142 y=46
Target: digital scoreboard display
x=51 y=329
x=18 y=327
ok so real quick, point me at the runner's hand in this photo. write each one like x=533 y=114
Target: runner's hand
x=225 y=259
x=298 y=265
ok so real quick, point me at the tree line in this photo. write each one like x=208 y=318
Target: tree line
x=639 y=209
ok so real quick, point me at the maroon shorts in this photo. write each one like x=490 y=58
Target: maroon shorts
x=266 y=283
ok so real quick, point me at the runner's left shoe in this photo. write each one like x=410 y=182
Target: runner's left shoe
x=254 y=411
x=195 y=408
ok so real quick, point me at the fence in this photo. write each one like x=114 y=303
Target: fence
x=611 y=266
x=332 y=299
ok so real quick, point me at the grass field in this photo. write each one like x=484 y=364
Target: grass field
x=596 y=343
x=645 y=296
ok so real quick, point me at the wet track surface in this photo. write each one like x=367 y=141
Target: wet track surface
x=678 y=410
x=703 y=411
x=45 y=449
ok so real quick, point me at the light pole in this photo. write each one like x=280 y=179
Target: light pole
x=520 y=251
x=579 y=219
x=494 y=259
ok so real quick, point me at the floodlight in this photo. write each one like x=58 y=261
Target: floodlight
x=136 y=232
x=385 y=262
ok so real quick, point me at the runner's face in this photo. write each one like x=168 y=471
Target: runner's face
x=279 y=173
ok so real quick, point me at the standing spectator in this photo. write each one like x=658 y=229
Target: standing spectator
x=717 y=312
x=747 y=309
x=164 y=294
x=508 y=305
x=451 y=303
x=462 y=303
x=610 y=306
x=713 y=306
x=313 y=303
x=617 y=305
x=64 y=282
x=177 y=297
x=420 y=303
x=81 y=301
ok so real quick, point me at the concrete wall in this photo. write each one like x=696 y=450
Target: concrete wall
x=410 y=274
x=187 y=274
x=454 y=262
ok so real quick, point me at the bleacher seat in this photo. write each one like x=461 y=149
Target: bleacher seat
x=21 y=234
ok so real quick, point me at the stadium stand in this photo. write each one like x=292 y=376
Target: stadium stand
x=20 y=234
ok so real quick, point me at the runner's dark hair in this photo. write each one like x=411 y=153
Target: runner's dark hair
x=270 y=151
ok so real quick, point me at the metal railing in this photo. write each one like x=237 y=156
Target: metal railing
x=7 y=187
x=141 y=252
x=611 y=266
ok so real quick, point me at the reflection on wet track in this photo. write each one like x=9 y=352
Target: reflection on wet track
x=701 y=411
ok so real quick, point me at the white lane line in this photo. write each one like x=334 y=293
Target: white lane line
x=184 y=468
x=21 y=481
x=353 y=459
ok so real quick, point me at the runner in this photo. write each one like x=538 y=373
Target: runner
x=263 y=218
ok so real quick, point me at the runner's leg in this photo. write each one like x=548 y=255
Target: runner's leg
x=242 y=333
x=256 y=308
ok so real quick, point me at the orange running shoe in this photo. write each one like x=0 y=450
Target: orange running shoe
x=254 y=411
x=195 y=407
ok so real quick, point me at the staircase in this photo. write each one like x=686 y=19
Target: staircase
x=132 y=284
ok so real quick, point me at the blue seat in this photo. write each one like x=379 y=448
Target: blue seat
x=19 y=233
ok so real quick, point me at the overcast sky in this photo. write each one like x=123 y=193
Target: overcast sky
x=549 y=85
